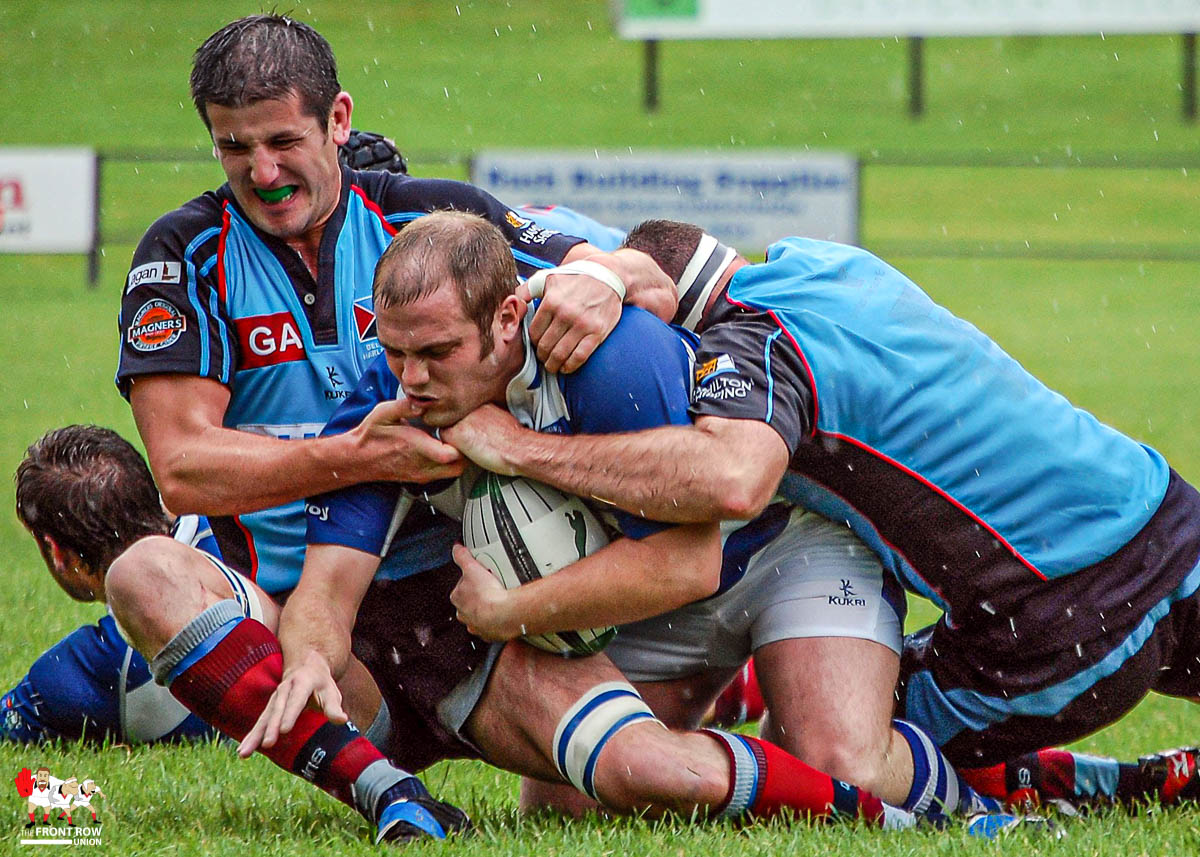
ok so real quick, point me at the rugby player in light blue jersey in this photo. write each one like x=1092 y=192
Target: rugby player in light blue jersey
x=454 y=336
x=245 y=320
x=1064 y=553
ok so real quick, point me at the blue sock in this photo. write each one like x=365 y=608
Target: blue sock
x=937 y=790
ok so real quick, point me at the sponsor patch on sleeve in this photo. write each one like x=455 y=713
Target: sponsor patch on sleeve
x=516 y=221
x=156 y=325
x=169 y=273
x=709 y=369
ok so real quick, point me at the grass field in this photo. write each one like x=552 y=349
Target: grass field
x=1086 y=275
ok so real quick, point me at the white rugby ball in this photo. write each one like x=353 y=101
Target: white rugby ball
x=523 y=530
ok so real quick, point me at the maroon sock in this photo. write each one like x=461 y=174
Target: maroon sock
x=229 y=685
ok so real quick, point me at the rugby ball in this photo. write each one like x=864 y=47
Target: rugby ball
x=523 y=530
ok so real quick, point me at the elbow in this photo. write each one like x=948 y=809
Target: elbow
x=742 y=494
x=177 y=495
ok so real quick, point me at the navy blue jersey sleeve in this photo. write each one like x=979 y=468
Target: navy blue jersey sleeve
x=404 y=199
x=358 y=516
x=71 y=691
x=172 y=317
x=747 y=367
x=571 y=222
x=637 y=379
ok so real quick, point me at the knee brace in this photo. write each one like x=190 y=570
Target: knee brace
x=588 y=725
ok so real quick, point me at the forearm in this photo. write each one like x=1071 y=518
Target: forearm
x=319 y=616
x=222 y=471
x=627 y=581
x=308 y=629
x=665 y=474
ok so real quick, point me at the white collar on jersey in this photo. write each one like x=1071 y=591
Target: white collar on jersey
x=700 y=277
x=533 y=396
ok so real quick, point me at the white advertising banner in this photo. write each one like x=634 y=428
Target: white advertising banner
x=765 y=19
x=47 y=200
x=746 y=199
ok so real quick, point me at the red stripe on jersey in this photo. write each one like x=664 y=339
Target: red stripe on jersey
x=372 y=206
x=221 y=251
x=812 y=381
x=249 y=547
x=935 y=489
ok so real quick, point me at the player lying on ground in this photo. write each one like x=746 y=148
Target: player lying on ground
x=88 y=499
x=1066 y=552
x=453 y=335
x=91 y=685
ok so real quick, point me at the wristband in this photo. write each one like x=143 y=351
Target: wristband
x=584 y=267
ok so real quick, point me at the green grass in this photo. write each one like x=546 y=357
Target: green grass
x=1117 y=335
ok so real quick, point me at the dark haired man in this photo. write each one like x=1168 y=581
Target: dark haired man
x=87 y=497
x=92 y=684
x=1065 y=552
x=246 y=319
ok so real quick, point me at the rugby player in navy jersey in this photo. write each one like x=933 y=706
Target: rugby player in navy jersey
x=245 y=320
x=92 y=685
x=454 y=336
x=1064 y=553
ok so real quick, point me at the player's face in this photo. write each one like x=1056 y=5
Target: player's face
x=437 y=354
x=282 y=162
x=43 y=777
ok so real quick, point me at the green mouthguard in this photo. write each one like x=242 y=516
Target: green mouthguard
x=277 y=194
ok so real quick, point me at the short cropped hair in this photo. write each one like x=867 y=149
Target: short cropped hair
x=265 y=57
x=88 y=489
x=458 y=246
x=668 y=242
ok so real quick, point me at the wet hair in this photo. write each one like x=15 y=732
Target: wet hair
x=265 y=57
x=88 y=489
x=668 y=242
x=449 y=245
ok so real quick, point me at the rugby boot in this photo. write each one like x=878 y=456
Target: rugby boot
x=993 y=825
x=1172 y=774
x=409 y=812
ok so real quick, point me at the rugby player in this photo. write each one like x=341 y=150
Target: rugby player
x=454 y=336
x=1064 y=553
x=245 y=320
x=92 y=685
x=87 y=497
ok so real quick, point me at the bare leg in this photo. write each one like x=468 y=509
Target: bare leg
x=159 y=585
x=643 y=767
x=831 y=701
x=680 y=704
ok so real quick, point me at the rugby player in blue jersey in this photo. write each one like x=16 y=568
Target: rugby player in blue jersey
x=1064 y=553
x=454 y=336
x=92 y=685
x=245 y=320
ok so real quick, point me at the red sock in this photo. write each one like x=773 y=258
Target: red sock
x=229 y=686
x=741 y=702
x=767 y=780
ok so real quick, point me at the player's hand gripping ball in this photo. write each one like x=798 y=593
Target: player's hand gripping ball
x=522 y=530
